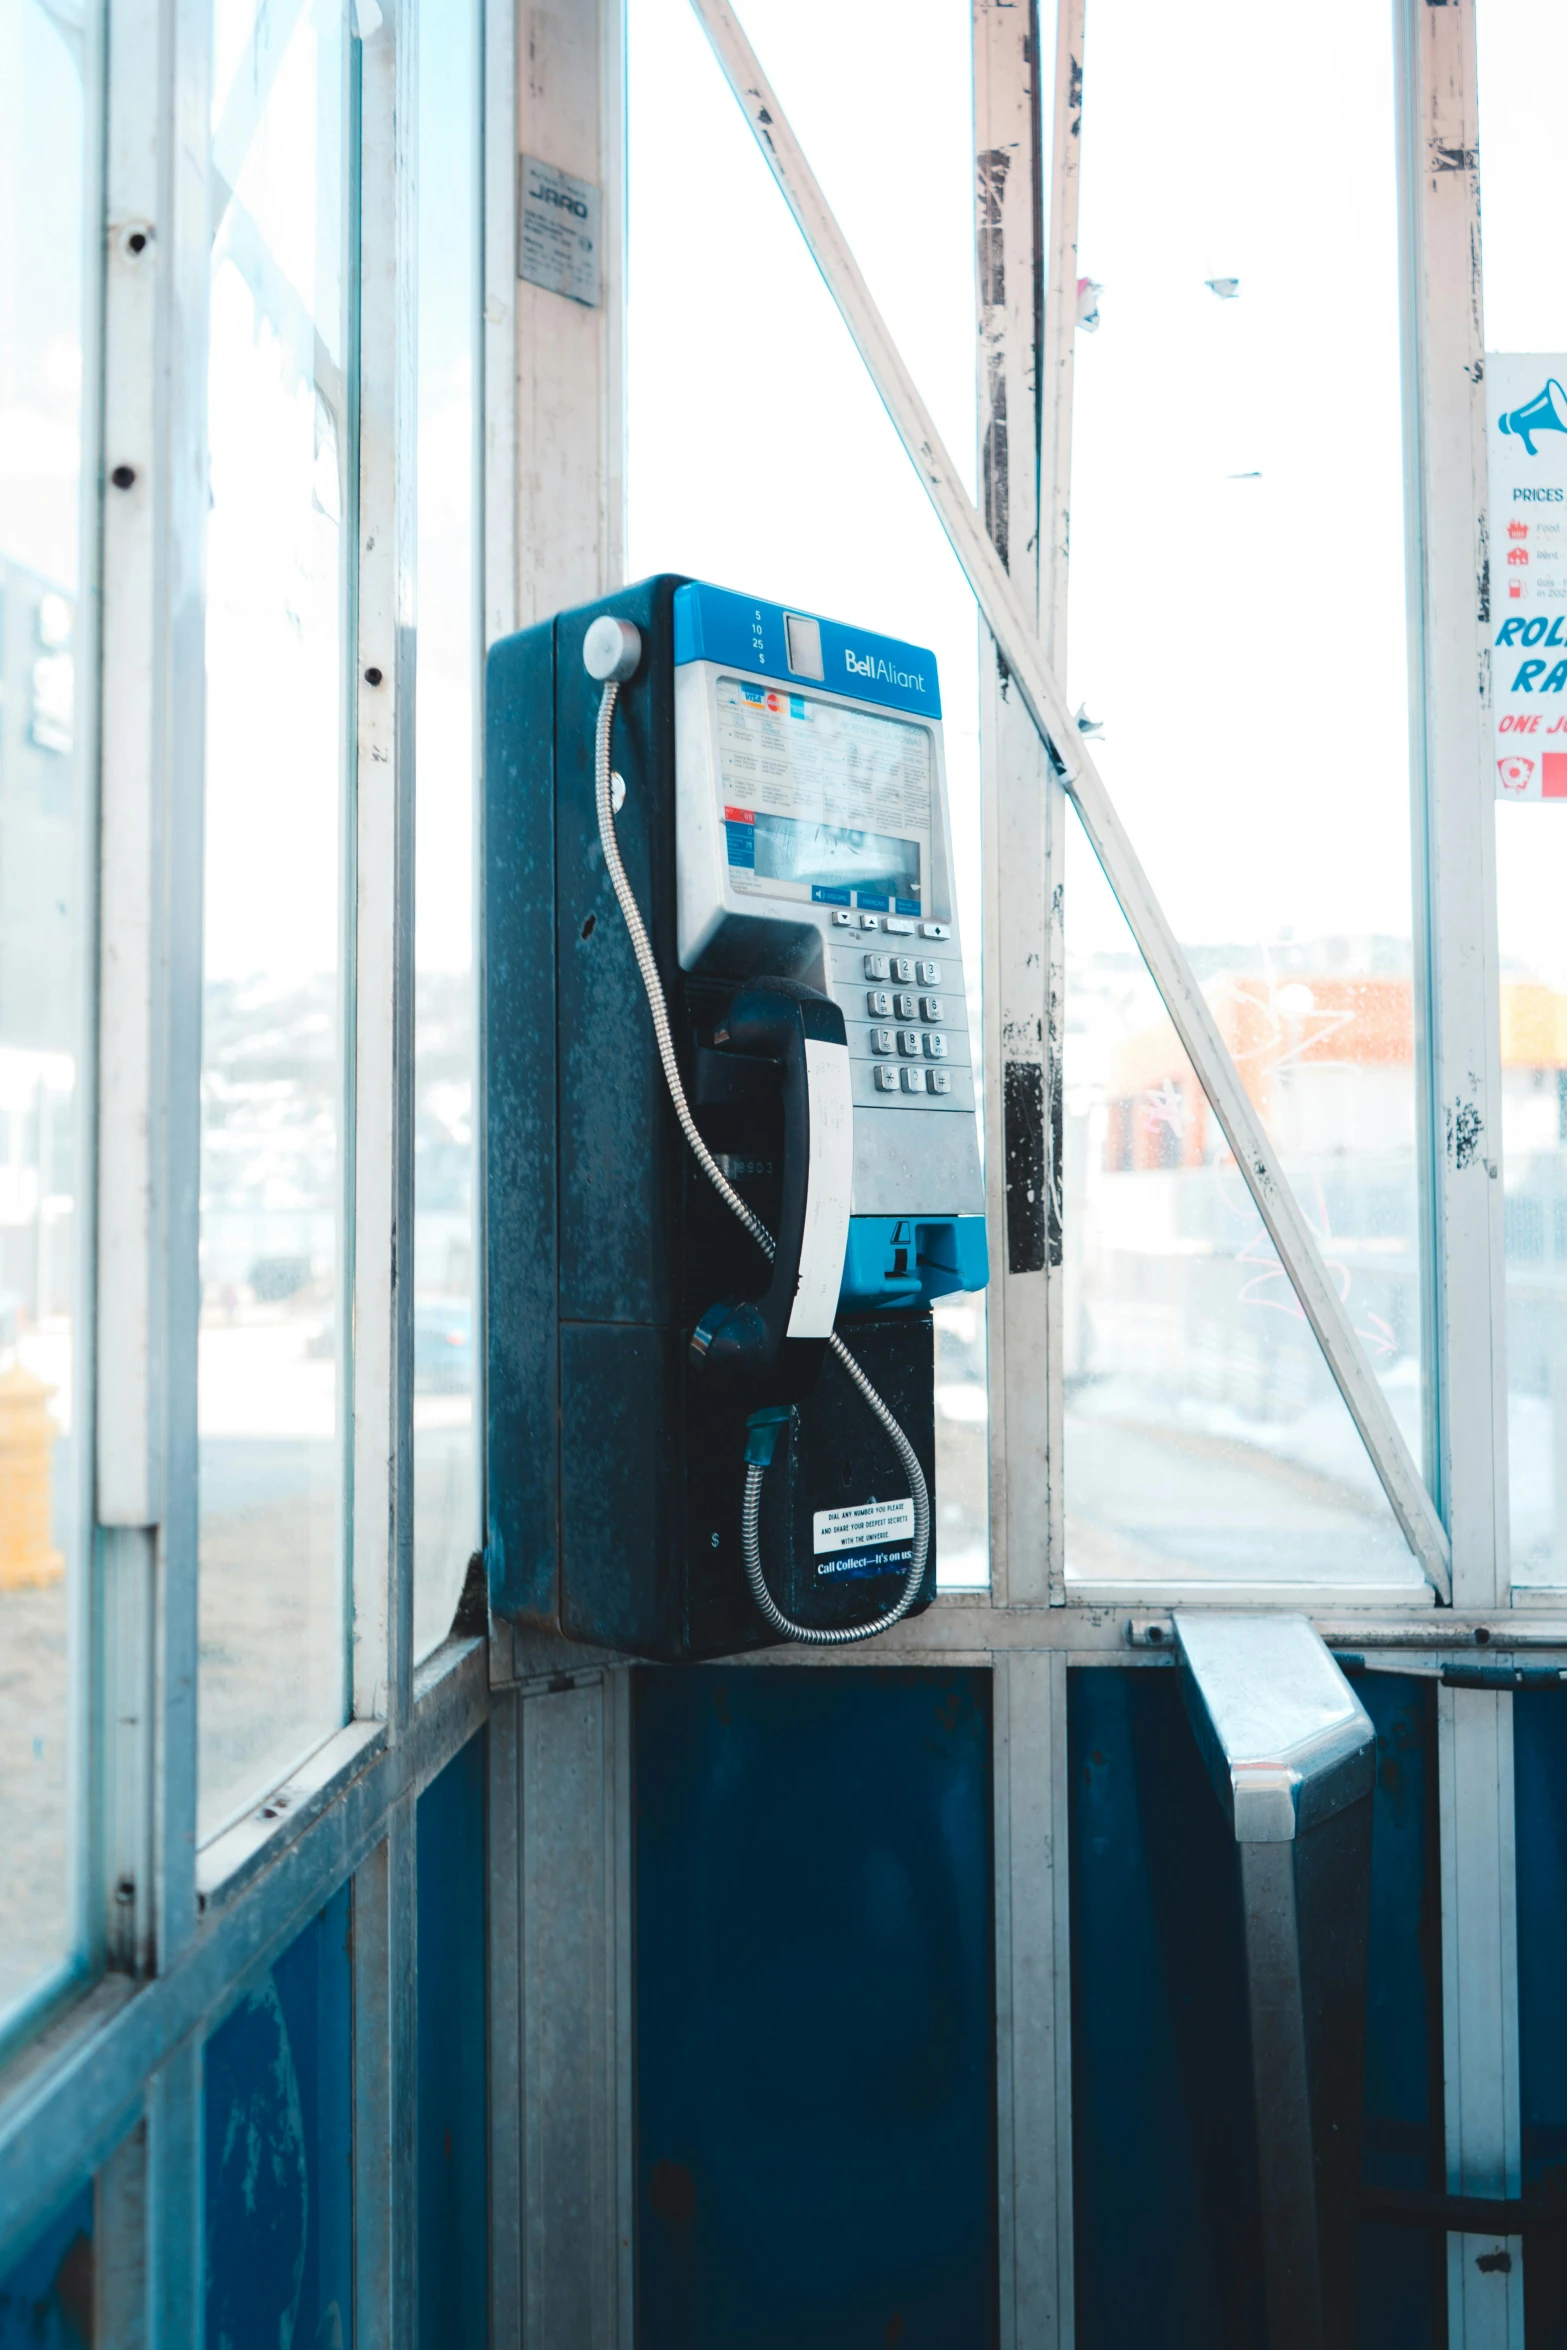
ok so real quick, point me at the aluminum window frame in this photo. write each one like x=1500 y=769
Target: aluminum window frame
x=113 y=2079
x=102 y=2074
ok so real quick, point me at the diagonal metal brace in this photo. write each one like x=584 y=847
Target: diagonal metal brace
x=1018 y=646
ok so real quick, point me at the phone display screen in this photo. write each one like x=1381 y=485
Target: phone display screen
x=823 y=803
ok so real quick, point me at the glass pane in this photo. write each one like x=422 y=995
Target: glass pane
x=1523 y=58
x=1205 y=1439
x=43 y=814
x=446 y=1481
x=273 y=1303
x=784 y=478
x=1220 y=458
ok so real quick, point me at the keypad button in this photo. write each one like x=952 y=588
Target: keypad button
x=935 y=930
x=870 y=922
x=842 y=920
x=928 y=974
x=905 y=1007
x=939 y=1080
x=935 y=1046
x=879 y=1004
x=897 y=923
x=876 y=967
x=930 y=1008
x=881 y=1040
x=909 y=1043
x=914 y=1081
x=903 y=969
x=887 y=1079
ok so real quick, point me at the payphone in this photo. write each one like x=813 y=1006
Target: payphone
x=732 y=1149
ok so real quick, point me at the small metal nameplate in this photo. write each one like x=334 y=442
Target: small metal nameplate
x=558 y=232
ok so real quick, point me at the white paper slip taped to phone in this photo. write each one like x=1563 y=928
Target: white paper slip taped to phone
x=869 y=1522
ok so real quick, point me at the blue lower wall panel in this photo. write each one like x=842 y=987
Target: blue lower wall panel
x=1403 y=2271
x=1540 y=1775
x=278 y=2118
x=453 y=2134
x=46 y=2300
x=1164 y=2148
x=814 y=2010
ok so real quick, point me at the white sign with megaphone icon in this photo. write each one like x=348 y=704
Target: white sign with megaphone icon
x=1526 y=439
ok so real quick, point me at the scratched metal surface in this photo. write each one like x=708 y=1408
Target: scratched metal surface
x=1540 y=1772
x=815 y=2066
x=453 y=2134
x=277 y=2124
x=1164 y=2153
x=46 y=2299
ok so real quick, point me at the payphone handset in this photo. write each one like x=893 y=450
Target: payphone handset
x=814 y=877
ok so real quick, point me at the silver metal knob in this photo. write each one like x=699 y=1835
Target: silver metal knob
x=611 y=649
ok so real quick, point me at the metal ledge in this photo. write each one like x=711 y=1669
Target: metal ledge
x=1286 y=1740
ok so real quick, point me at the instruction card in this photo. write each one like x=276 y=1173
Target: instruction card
x=871 y=1521
x=558 y=232
x=1526 y=440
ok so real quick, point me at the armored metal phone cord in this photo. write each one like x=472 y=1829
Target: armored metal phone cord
x=750 y=1511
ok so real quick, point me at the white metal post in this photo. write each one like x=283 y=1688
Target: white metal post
x=187 y=100
x=1025 y=455
x=1033 y=2001
x=1483 y=2127
x=139 y=259
x=574 y=1849
x=498 y=501
x=499 y=511
x=385 y=2086
x=561 y=2202
x=571 y=432
x=380 y=992
x=1455 y=888
x=1021 y=805
x=1058 y=355
x=152 y=725
x=119 y=2263
x=1455 y=875
x=503 y=1920
x=176 y=2201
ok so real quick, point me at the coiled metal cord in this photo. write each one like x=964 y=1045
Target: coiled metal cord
x=750 y=1512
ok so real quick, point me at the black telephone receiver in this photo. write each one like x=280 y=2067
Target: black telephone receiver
x=773 y=1346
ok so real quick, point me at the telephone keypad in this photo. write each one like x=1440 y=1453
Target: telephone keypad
x=907 y=1020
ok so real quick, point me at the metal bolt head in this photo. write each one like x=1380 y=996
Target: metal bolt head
x=611 y=650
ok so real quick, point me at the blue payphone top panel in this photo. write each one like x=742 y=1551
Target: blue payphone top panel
x=713 y=624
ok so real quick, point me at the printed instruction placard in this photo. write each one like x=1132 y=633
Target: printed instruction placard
x=558 y=232
x=1526 y=439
